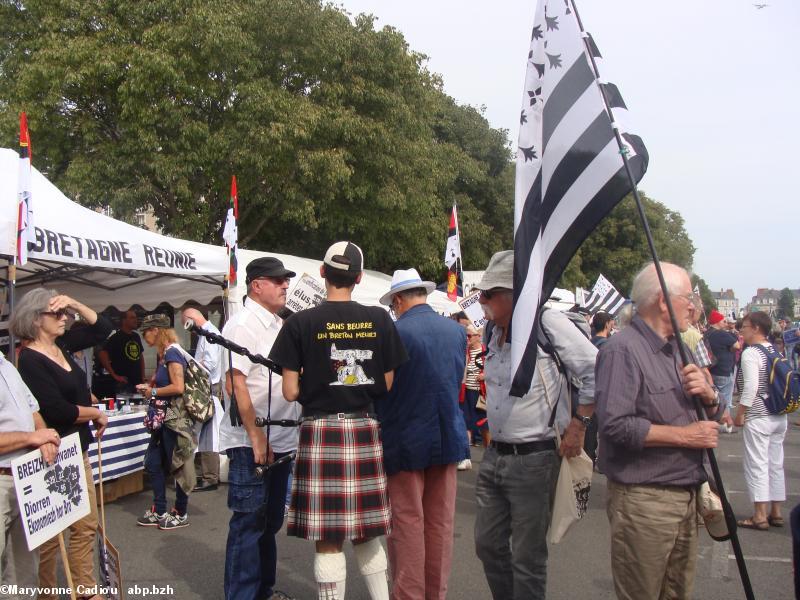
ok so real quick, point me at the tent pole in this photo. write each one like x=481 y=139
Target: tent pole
x=12 y=277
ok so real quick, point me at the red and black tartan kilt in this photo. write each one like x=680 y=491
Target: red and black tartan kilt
x=339 y=485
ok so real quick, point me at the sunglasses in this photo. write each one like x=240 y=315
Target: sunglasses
x=489 y=294
x=58 y=314
x=275 y=280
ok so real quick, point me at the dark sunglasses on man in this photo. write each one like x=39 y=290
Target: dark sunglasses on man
x=489 y=294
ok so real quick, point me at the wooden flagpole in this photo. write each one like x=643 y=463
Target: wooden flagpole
x=730 y=518
x=65 y=561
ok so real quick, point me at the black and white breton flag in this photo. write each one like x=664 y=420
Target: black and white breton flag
x=570 y=172
x=604 y=298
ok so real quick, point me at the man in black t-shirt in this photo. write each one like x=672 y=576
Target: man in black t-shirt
x=347 y=354
x=122 y=355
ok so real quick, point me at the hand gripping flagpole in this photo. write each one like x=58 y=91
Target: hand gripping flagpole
x=730 y=519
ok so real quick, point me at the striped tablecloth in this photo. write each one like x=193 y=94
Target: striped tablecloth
x=124 y=443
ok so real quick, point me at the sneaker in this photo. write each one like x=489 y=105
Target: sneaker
x=465 y=465
x=150 y=518
x=173 y=520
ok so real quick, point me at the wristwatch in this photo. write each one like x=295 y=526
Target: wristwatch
x=716 y=397
x=587 y=421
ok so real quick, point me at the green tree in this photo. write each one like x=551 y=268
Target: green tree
x=334 y=130
x=618 y=247
x=786 y=304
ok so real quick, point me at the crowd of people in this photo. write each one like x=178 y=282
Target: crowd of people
x=387 y=406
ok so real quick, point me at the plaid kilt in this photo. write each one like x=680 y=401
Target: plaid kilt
x=339 y=485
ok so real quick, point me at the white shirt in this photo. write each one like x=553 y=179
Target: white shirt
x=17 y=406
x=210 y=355
x=518 y=420
x=255 y=328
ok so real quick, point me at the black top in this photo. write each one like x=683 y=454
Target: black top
x=60 y=392
x=720 y=343
x=125 y=352
x=343 y=349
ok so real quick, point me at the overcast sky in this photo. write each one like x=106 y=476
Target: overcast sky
x=712 y=88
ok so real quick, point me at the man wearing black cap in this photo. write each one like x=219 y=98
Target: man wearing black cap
x=258 y=504
x=347 y=354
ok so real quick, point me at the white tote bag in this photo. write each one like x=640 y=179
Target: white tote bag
x=572 y=489
x=572 y=495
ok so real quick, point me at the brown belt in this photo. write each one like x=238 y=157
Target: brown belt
x=6 y=471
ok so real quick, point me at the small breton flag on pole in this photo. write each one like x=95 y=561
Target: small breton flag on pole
x=570 y=172
x=231 y=233
x=25 y=230
x=604 y=298
x=452 y=255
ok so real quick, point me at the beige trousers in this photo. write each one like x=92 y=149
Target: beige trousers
x=80 y=547
x=653 y=541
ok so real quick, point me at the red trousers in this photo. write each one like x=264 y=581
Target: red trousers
x=421 y=543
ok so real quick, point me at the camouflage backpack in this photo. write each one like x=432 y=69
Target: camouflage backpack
x=196 y=389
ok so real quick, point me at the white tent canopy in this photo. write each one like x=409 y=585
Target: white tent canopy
x=100 y=260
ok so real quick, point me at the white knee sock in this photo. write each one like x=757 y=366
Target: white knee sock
x=330 y=573
x=372 y=564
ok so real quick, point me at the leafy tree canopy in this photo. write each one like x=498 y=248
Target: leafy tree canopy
x=618 y=248
x=334 y=130
x=786 y=304
x=709 y=303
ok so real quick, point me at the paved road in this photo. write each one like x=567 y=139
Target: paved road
x=191 y=560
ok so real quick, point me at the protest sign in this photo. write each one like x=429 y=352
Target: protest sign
x=110 y=567
x=307 y=293
x=51 y=497
x=791 y=336
x=473 y=309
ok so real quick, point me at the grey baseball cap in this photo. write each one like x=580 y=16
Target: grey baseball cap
x=499 y=273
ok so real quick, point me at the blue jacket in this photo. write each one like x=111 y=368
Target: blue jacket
x=421 y=422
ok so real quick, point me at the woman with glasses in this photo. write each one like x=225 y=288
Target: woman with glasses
x=59 y=385
x=763 y=431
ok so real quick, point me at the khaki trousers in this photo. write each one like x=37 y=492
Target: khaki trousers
x=653 y=541
x=80 y=547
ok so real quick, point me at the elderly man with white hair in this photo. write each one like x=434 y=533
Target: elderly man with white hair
x=653 y=442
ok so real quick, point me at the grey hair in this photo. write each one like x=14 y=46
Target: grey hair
x=646 y=288
x=25 y=320
x=413 y=293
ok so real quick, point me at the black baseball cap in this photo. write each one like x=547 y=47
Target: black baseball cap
x=267 y=266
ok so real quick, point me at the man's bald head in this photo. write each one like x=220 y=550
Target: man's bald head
x=646 y=290
x=646 y=295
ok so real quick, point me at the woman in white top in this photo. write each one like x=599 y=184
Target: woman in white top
x=763 y=432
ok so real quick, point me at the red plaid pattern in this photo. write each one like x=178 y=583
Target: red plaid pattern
x=339 y=485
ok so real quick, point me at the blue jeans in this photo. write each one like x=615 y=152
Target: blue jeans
x=725 y=385
x=515 y=500
x=157 y=460
x=258 y=505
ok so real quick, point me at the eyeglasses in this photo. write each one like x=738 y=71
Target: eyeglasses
x=691 y=297
x=473 y=335
x=275 y=280
x=489 y=294
x=59 y=314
